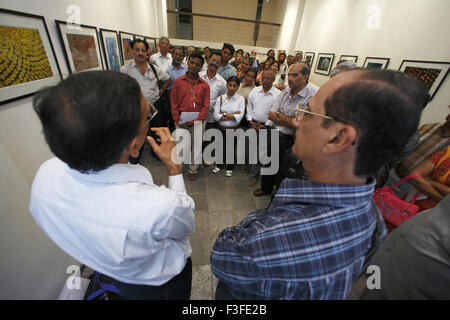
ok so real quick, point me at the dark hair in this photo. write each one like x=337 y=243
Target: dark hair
x=282 y=53
x=216 y=53
x=269 y=51
x=137 y=40
x=90 y=117
x=385 y=107
x=198 y=56
x=252 y=70
x=240 y=50
x=234 y=79
x=228 y=46
x=277 y=62
x=306 y=70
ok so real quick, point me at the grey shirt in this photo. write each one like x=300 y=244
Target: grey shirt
x=147 y=81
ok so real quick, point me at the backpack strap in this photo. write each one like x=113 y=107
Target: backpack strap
x=156 y=74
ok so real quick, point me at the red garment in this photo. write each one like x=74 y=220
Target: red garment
x=441 y=160
x=182 y=98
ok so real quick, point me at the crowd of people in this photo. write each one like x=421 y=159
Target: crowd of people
x=101 y=207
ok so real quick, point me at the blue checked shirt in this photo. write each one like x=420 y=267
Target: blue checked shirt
x=309 y=244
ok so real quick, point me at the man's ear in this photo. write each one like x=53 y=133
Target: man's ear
x=341 y=137
x=133 y=147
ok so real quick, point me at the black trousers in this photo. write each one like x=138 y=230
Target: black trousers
x=178 y=288
x=285 y=142
x=228 y=166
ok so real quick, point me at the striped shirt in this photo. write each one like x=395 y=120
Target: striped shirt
x=309 y=244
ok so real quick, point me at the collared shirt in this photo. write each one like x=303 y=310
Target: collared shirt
x=147 y=81
x=175 y=73
x=259 y=103
x=163 y=62
x=217 y=87
x=187 y=97
x=116 y=221
x=309 y=244
x=287 y=105
x=227 y=71
x=234 y=104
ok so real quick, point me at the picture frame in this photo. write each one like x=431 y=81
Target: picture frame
x=81 y=46
x=376 y=63
x=324 y=63
x=431 y=73
x=309 y=58
x=137 y=36
x=348 y=58
x=125 y=39
x=152 y=43
x=111 y=50
x=26 y=66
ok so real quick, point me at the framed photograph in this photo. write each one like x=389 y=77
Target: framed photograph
x=152 y=43
x=136 y=36
x=125 y=46
x=28 y=60
x=376 y=63
x=324 y=63
x=430 y=73
x=309 y=58
x=348 y=58
x=111 y=51
x=81 y=46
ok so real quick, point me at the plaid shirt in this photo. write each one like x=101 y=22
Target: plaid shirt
x=309 y=244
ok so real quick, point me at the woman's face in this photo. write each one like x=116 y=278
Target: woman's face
x=232 y=87
x=275 y=67
x=249 y=78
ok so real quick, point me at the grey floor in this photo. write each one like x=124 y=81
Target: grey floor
x=220 y=202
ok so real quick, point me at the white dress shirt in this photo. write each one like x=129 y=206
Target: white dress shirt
x=287 y=105
x=260 y=102
x=116 y=221
x=162 y=62
x=235 y=104
x=217 y=87
x=147 y=81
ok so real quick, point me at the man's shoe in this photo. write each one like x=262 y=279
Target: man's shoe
x=192 y=176
x=216 y=170
x=259 y=193
x=251 y=182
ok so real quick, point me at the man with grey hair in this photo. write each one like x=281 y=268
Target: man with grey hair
x=343 y=65
x=163 y=58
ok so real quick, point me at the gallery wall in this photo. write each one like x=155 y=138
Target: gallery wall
x=32 y=267
x=400 y=29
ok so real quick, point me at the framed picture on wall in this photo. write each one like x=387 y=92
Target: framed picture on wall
x=28 y=60
x=324 y=63
x=152 y=43
x=136 y=36
x=348 y=58
x=430 y=73
x=81 y=47
x=376 y=63
x=125 y=46
x=309 y=58
x=111 y=51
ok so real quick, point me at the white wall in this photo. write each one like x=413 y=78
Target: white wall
x=409 y=29
x=32 y=267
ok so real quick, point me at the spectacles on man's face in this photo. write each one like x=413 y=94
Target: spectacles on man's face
x=153 y=112
x=302 y=109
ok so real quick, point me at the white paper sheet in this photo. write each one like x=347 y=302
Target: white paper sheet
x=188 y=116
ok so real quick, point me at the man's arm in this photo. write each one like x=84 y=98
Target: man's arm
x=174 y=103
x=205 y=103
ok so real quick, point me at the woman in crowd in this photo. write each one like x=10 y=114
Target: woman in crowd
x=228 y=112
x=278 y=82
x=435 y=181
x=264 y=65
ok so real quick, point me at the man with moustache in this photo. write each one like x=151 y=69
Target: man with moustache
x=282 y=113
x=163 y=58
x=190 y=93
x=147 y=76
x=177 y=68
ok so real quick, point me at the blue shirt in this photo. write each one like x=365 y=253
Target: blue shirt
x=309 y=244
x=175 y=73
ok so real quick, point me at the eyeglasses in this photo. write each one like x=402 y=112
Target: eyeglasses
x=153 y=112
x=300 y=113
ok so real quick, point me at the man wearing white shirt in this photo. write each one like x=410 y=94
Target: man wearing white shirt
x=97 y=207
x=260 y=100
x=282 y=113
x=163 y=58
x=190 y=51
